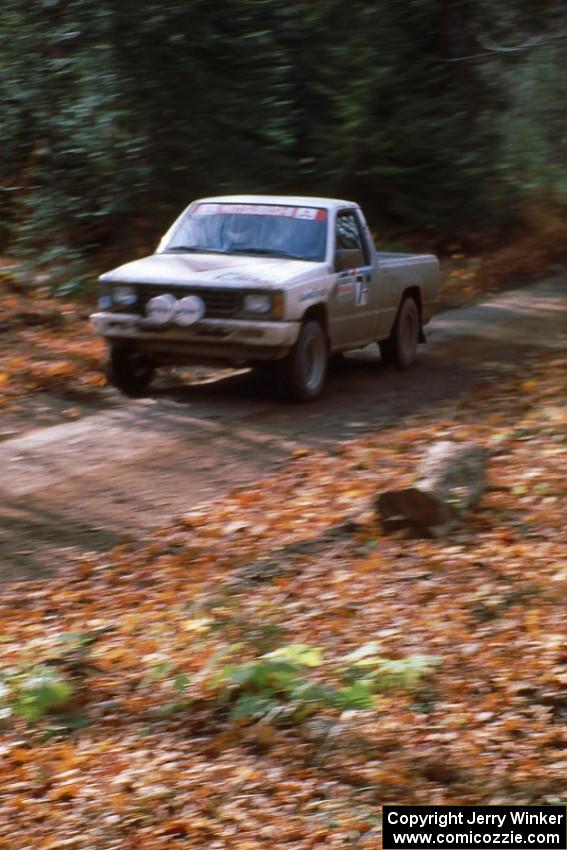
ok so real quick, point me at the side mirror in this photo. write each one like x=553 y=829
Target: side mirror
x=348 y=258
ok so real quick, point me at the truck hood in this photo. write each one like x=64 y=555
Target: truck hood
x=212 y=270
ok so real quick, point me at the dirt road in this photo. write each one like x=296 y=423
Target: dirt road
x=86 y=485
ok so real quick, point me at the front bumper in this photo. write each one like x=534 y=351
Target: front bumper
x=229 y=340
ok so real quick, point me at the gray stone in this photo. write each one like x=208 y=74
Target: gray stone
x=450 y=479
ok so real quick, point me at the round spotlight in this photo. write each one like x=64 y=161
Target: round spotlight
x=161 y=308
x=189 y=310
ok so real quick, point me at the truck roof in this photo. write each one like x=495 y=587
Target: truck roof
x=280 y=200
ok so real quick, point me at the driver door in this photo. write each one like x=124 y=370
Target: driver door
x=351 y=309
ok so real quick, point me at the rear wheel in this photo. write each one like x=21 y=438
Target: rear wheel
x=302 y=373
x=129 y=370
x=401 y=346
x=387 y=351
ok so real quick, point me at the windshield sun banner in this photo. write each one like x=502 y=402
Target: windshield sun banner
x=306 y=213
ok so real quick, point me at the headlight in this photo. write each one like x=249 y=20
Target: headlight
x=257 y=302
x=124 y=296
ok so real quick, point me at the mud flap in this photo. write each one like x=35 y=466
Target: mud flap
x=421 y=337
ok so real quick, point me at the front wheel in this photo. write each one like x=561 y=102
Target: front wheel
x=302 y=373
x=129 y=370
x=401 y=346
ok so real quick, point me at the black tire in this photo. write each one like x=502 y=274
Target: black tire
x=302 y=373
x=337 y=361
x=387 y=351
x=264 y=371
x=401 y=346
x=129 y=370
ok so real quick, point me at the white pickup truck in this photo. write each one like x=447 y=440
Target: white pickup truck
x=259 y=279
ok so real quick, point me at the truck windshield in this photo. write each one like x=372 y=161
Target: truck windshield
x=258 y=230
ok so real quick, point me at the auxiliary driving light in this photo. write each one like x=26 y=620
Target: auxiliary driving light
x=161 y=308
x=189 y=310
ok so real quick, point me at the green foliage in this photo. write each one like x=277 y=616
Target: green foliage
x=280 y=684
x=287 y=684
x=77 y=641
x=159 y=670
x=180 y=682
x=358 y=696
x=298 y=654
x=273 y=684
x=383 y=675
x=34 y=689
x=33 y=693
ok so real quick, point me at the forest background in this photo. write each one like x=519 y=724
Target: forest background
x=444 y=118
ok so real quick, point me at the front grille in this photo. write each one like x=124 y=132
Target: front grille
x=219 y=303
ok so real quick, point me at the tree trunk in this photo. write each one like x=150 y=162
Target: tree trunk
x=450 y=479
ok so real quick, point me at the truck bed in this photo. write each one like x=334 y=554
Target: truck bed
x=418 y=270
x=392 y=256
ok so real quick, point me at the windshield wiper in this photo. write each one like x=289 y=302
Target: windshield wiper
x=186 y=249
x=266 y=252
x=257 y=252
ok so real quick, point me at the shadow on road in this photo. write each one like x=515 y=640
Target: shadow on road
x=361 y=396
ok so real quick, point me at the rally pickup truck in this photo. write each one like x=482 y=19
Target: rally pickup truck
x=258 y=280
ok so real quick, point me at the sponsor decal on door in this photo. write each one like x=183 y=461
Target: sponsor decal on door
x=352 y=286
